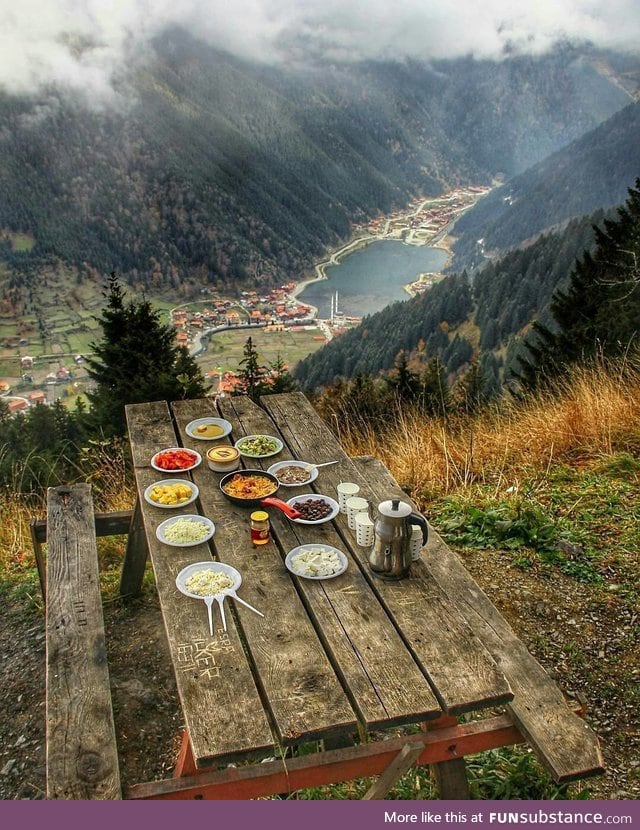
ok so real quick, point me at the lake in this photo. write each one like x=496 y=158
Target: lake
x=371 y=278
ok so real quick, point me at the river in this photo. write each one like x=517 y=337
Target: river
x=373 y=277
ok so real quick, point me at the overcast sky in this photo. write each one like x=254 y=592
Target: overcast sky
x=39 y=39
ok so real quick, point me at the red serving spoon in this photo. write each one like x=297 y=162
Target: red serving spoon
x=287 y=509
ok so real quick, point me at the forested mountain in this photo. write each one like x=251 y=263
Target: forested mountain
x=459 y=320
x=216 y=171
x=592 y=172
x=483 y=318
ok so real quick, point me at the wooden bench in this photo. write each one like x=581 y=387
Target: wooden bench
x=565 y=745
x=81 y=753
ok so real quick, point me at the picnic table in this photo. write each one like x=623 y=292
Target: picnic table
x=370 y=676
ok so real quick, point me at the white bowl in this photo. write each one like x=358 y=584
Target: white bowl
x=161 y=530
x=192 y=428
x=197 y=460
x=291 y=556
x=170 y=482
x=240 y=441
x=313 y=474
x=216 y=567
x=335 y=509
x=223 y=458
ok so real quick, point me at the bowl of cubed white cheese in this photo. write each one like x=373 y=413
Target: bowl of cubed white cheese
x=316 y=561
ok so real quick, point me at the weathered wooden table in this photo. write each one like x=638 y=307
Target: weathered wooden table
x=344 y=662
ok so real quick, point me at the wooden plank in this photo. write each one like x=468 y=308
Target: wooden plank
x=565 y=744
x=305 y=698
x=106 y=524
x=136 y=555
x=383 y=681
x=220 y=701
x=461 y=671
x=401 y=764
x=81 y=753
x=115 y=523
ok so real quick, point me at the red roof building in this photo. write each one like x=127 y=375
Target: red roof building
x=17 y=405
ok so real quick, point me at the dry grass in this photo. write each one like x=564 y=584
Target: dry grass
x=111 y=491
x=591 y=416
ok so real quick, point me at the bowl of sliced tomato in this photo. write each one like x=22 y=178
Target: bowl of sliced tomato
x=175 y=460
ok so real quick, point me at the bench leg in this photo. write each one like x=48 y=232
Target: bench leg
x=185 y=764
x=450 y=776
x=37 y=550
x=135 y=558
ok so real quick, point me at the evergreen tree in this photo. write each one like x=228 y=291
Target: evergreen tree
x=435 y=397
x=281 y=380
x=471 y=391
x=599 y=312
x=403 y=383
x=137 y=360
x=363 y=402
x=253 y=375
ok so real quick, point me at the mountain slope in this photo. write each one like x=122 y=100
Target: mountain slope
x=218 y=171
x=593 y=172
x=458 y=318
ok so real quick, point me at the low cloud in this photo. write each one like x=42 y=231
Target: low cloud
x=88 y=45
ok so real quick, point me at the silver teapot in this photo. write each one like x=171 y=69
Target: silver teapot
x=390 y=556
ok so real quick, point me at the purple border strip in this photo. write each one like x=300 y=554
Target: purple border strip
x=317 y=815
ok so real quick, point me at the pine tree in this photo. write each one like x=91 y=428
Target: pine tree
x=599 y=312
x=253 y=375
x=136 y=360
x=281 y=380
x=403 y=383
x=435 y=397
x=471 y=391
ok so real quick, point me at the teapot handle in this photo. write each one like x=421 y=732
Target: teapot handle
x=420 y=521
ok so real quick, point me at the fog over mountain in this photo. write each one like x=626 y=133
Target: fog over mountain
x=89 y=45
x=220 y=144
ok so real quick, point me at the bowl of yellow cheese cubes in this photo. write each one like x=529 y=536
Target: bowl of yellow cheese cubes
x=171 y=492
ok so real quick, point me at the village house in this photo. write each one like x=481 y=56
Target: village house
x=17 y=405
x=37 y=396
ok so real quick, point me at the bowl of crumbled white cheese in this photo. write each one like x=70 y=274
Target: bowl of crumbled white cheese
x=185 y=531
x=316 y=561
x=201 y=579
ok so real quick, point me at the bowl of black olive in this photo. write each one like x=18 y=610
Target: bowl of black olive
x=314 y=509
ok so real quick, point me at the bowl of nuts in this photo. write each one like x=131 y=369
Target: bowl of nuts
x=314 y=509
